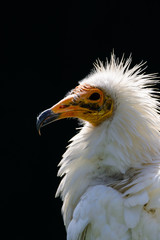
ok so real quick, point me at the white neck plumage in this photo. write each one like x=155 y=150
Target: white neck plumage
x=120 y=146
x=104 y=154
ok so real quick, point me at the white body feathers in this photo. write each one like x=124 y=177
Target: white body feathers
x=111 y=173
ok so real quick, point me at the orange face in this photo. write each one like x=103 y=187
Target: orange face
x=84 y=102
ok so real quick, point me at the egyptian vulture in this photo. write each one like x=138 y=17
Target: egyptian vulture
x=111 y=169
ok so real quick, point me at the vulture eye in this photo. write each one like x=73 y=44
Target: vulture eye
x=94 y=96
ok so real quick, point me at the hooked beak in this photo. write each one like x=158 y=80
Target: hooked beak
x=45 y=118
x=85 y=102
x=64 y=109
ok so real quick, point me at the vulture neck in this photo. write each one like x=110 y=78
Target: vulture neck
x=103 y=154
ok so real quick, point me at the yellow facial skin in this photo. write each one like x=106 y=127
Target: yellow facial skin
x=84 y=102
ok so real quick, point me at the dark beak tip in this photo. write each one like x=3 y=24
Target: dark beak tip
x=45 y=118
x=38 y=125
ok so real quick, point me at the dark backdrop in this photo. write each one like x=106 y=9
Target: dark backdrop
x=45 y=49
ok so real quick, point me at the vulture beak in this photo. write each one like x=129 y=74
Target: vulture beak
x=63 y=109
x=84 y=102
x=45 y=118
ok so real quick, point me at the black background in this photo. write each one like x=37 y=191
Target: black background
x=46 y=48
